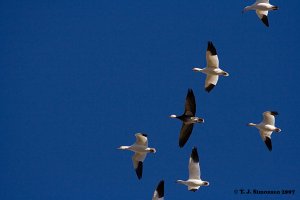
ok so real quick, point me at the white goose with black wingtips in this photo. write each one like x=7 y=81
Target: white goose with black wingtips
x=159 y=193
x=188 y=118
x=266 y=127
x=212 y=69
x=140 y=147
x=262 y=8
x=194 y=182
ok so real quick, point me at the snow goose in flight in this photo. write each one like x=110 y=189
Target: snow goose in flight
x=212 y=69
x=188 y=118
x=262 y=8
x=266 y=127
x=159 y=192
x=140 y=148
x=194 y=182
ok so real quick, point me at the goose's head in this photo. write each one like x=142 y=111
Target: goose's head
x=277 y=130
x=200 y=120
x=152 y=150
x=225 y=73
x=205 y=183
x=197 y=120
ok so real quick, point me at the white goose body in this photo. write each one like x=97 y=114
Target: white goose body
x=140 y=147
x=211 y=71
x=194 y=182
x=259 y=6
x=266 y=127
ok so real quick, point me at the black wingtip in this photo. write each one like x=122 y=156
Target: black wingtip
x=265 y=20
x=274 y=113
x=268 y=143
x=145 y=135
x=194 y=155
x=211 y=48
x=160 y=189
x=181 y=144
x=139 y=170
x=190 y=95
x=190 y=92
x=193 y=190
x=209 y=88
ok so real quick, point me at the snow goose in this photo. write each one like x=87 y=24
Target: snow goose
x=194 y=182
x=262 y=8
x=159 y=192
x=188 y=118
x=212 y=69
x=140 y=148
x=266 y=127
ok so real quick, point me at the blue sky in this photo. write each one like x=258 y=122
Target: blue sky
x=80 y=78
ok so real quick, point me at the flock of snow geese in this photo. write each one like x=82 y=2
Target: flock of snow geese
x=188 y=118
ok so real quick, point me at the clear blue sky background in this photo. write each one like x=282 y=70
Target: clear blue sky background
x=80 y=78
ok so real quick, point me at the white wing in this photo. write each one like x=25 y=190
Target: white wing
x=266 y=137
x=138 y=157
x=212 y=59
x=194 y=168
x=261 y=13
x=137 y=160
x=264 y=134
x=268 y=118
x=141 y=139
x=263 y=16
x=211 y=79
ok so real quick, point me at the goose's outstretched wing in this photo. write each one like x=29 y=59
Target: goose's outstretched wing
x=194 y=167
x=185 y=133
x=141 y=139
x=137 y=160
x=263 y=16
x=212 y=59
x=159 y=192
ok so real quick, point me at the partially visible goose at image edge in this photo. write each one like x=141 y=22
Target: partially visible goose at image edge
x=262 y=8
x=159 y=193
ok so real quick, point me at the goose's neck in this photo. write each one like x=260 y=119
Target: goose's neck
x=151 y=150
